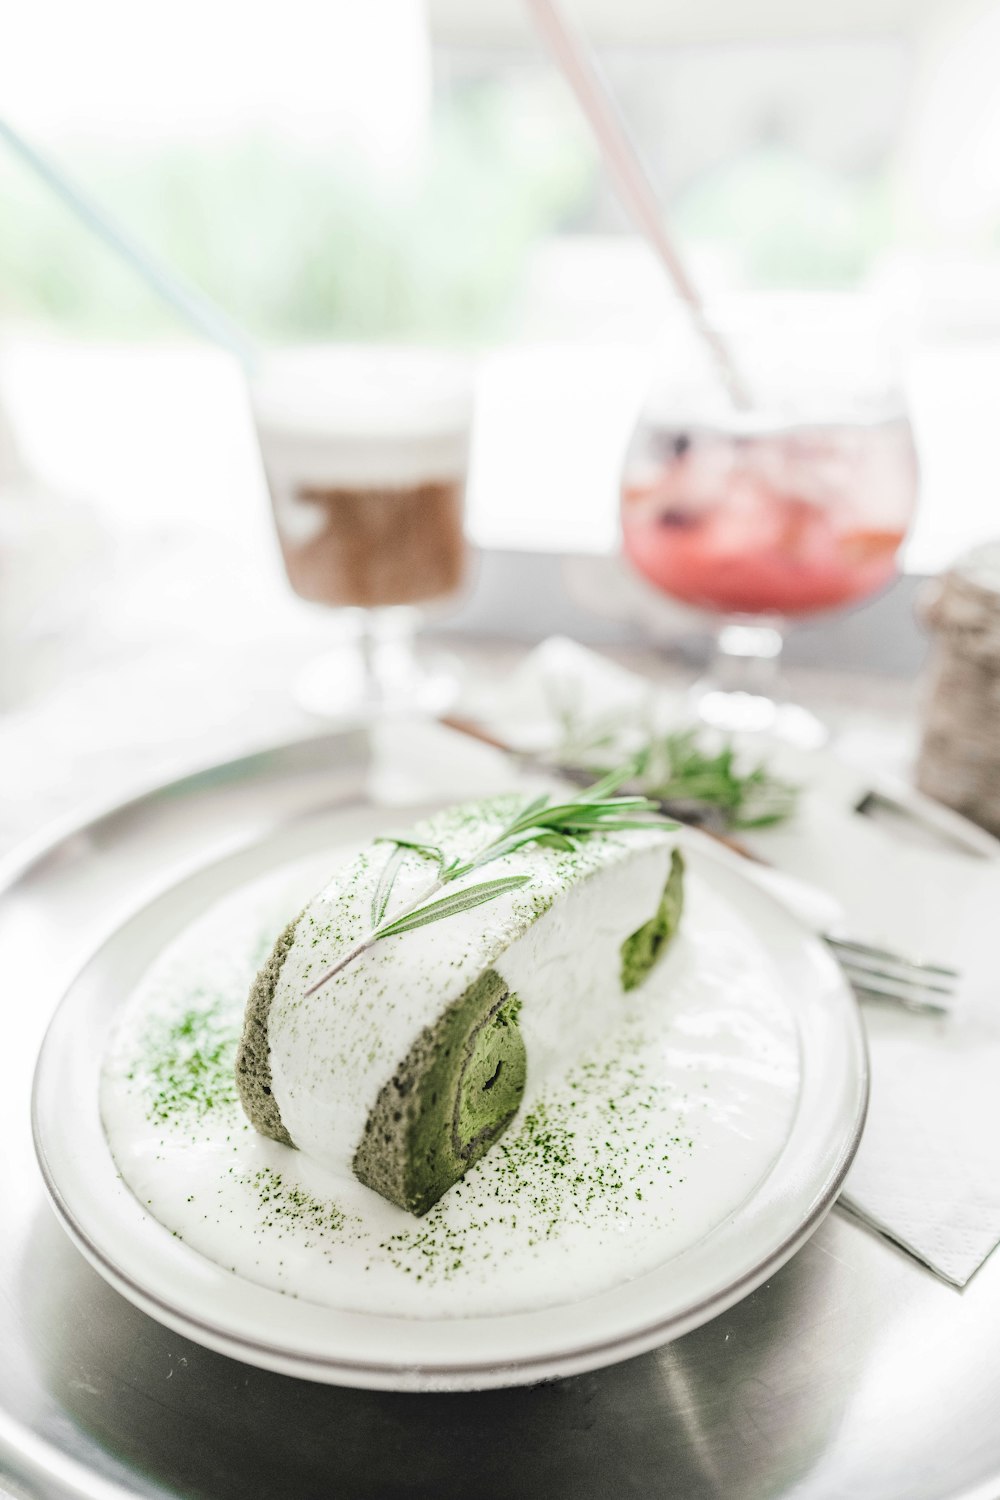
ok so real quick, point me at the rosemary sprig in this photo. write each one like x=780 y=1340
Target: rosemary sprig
x=450 y=906
x=559 y=825
x=676 y=766
x=386 y=881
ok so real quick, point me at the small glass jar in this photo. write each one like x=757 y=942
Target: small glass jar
x=959 y=761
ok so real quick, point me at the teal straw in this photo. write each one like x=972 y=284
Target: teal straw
x=192 y=305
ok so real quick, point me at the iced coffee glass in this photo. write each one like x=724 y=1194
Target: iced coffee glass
x=366 y=454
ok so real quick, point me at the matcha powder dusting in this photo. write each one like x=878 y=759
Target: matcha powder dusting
x=186 y=1067
x=621 y=1158
x=286 y=1206
x=611 y=1136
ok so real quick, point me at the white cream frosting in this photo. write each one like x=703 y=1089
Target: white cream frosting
x=661 y=1128
x=556 y=942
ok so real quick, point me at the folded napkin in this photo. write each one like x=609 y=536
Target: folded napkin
x=927 y=1174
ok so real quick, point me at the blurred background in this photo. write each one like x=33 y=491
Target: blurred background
x=420 y=172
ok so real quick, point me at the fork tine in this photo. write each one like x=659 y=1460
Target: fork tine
x=866 y=950
x=910 y=1000
x=898 y=972
x=900 y=982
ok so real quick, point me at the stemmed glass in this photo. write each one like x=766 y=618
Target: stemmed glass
x=792 y=507
x=366 y=450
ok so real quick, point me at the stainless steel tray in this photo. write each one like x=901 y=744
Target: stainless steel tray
x=852 y=1372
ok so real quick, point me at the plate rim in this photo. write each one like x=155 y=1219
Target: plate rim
x=401 y=1374
x=440 y=1377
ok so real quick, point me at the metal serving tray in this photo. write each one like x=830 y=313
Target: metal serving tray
x=853 y=1372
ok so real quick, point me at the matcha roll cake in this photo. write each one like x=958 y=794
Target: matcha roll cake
x=407 y=1064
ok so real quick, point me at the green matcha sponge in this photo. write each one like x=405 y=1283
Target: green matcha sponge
x=645 y=946
x=448 y=1101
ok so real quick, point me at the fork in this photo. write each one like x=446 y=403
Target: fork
x=874 y=973
x=879 y=974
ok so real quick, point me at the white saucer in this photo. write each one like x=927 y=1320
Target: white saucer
x=177 y=1285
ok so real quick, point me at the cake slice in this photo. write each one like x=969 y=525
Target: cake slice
x=412 y=1060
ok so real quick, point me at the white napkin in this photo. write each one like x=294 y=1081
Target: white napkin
x=927 y=1174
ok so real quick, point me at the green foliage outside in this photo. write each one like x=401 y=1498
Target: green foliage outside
x=294 y=243
x=796 y=223
x=297 y=244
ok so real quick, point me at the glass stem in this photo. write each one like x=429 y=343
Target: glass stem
x=375 y=669
x=385 y=643
x=742 y=688
x=747 y=656
x=372 y=675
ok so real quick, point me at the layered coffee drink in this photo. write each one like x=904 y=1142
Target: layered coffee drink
x=372 y=547
x=366 y=452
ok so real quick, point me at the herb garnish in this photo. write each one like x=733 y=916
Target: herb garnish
x=676 y=766
x=551 y=825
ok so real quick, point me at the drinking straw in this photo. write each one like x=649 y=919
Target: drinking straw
x=192 y=305
x=632 y=179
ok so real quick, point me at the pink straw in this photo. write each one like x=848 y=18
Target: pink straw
x=631 y=178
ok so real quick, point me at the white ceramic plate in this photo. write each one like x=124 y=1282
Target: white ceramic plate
x=750 y=1238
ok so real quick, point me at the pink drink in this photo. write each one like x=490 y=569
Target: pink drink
x=785 y=522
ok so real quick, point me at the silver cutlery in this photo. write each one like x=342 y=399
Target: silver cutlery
x=878 y=973
x=874 y=973
x=938 y=823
